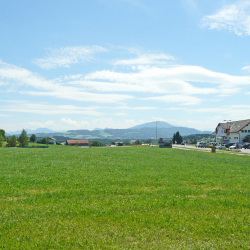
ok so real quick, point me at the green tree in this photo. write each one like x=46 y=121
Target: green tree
x=174 y=138
x=127 y=143
x=2 y=132
x=177 y=137
x=1 y=140
x=137 y=142
x=77 y=144
x=95 y=144
x=13 y=141
x=45 y=140
x=112 y=143
x=23 y=139
x=195 y=141
x=33 y=138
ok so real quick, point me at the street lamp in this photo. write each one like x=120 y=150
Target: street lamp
x=227 y=129
x=156 y=127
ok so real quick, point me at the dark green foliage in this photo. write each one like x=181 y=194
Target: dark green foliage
x=247 y=139
x=177 y=137
x=2 y=132
x=1 y=140
x=126 y=143
x=45 y=140
x=33 y=138
x=23 y=139
x=137 y=142
x=112 y=143
x=199 y=137
x=95 y=144
x=13 y=141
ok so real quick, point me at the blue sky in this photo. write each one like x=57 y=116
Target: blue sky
x=118 y=63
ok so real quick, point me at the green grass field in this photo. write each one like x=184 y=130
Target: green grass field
x=123 y=198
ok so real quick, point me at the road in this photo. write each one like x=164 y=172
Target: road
x=242 y=151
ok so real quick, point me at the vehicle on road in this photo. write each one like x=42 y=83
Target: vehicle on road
x=234 y=146
x=201 y=145
x=246 y=145
x=220 y=147
x=230 y=144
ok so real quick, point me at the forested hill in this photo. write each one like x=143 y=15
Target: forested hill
x=143 y=133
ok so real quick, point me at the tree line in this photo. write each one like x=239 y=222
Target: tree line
x=13 y=141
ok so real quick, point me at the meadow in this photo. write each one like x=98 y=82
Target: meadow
x=65 y=197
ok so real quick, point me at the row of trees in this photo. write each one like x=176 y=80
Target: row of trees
x=13 y=141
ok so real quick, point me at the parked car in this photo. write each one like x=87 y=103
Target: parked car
x=201 y=145
x=246 y=146
x=220 y=146
x=234 y=146
x=229 y=144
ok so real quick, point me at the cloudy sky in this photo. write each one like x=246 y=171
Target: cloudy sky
x=74 y=64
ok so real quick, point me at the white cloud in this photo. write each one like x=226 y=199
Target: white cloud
x=247 y=68
x=146 y=59
x=72 y=123
x=17 y=77
x=183 y=99
x=174 y=79
x=111 y=123
x=144 y=108
x=49 y=124
x=4 y=115
x=64 y=57
x=234 y=17
x=232 y=112
x=120 y=114
x=45 y=109
x=82 y=96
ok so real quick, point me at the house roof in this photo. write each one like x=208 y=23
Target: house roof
x=235 y=126
x=77 y=141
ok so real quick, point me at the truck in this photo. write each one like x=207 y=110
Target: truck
x=165 y=143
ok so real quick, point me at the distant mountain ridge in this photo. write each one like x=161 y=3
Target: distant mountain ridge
x=30 y=131
x=160 y=124
x=142 y=131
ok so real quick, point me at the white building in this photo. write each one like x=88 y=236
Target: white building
x=233 y=131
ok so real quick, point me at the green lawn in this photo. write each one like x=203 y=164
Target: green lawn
x=123 y=198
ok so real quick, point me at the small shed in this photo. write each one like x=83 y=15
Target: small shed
x=79 y=142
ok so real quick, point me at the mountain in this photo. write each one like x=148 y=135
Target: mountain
x=30 y=131
x=153 y=125
x=132 y=133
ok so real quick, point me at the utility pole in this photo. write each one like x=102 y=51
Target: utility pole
x=227 y=129
x=156 y=128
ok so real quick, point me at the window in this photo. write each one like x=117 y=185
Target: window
x=236 y=138
x=248 y=131
x=225 y=131
x=245 y=131
x=229 y=138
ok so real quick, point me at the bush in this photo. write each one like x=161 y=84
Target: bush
x=45 y=140
x=126 y=143
x=13 y=141
x=95 y=144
